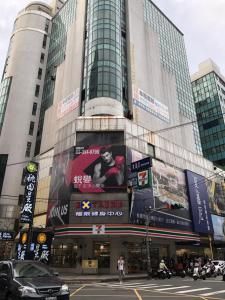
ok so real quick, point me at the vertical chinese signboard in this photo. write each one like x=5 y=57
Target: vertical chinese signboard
x=40 y=246
x=199 y=201
x=27 y=209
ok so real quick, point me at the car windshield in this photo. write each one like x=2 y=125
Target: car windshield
x=215 y=263
x=30 y=269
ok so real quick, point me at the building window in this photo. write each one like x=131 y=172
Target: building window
x=3 y=163
x=31 y=129
x=39 y=73
x=34 y=109
x=151 y=150
x=23 y=178
x=20 y=200
x=27 y=154
x=4 y=94
x=47 y=25
x=42 y=58
x=44 y=41
x=37 y=90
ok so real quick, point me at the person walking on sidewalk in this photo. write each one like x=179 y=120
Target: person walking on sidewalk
x=121 y=268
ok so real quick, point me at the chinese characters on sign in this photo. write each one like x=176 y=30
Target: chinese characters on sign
x=6 y=236
x=27 y=209
x=199 y=202
x=40 y=246
x=114 y=207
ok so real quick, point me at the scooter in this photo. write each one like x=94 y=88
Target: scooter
x=163 y=274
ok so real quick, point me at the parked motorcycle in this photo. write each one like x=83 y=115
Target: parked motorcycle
x=163 y=274
x=199 y=273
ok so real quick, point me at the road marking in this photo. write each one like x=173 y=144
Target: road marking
x=138 y=295
x=213 y=293
x=194 y=290
x=173 y=288
x=77 y=290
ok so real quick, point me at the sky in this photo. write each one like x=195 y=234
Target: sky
x=201 y=21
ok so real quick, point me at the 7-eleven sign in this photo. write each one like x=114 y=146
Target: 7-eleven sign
x=144 y=179
x=98 y=229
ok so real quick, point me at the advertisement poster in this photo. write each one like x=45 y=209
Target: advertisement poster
x=199 y=202
x=216 y=192
x=28 y=205
x=150 y=104
x=60 y=190
x=84 y=169
x=97 y=169
x=219 y=228
x=169 y=186
x=68 y=104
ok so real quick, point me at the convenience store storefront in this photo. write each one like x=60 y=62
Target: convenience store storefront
x=105 y=243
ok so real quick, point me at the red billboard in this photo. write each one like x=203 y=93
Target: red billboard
x=84 y=169
x=97 y=169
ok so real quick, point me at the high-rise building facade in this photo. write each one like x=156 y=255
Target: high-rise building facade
x=208 y=86
x=21 y=92
x=116 y=90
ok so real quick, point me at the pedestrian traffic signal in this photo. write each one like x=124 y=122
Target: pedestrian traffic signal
x=173 y=206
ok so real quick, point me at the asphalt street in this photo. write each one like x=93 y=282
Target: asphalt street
x=174 y=288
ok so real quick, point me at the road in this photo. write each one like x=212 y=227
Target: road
x=171 y=289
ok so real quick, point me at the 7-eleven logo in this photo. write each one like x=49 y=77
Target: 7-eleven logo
x=98 y=229
x=144 y=179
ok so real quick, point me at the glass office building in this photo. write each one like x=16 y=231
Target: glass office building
x=209 y=94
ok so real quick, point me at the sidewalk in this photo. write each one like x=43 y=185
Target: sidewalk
x=74 y=278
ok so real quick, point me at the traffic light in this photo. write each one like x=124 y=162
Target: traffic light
x=173 y=206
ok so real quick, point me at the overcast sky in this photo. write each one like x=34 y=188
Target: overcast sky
x=201 y=21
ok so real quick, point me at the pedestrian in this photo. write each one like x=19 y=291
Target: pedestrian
x=121 y=268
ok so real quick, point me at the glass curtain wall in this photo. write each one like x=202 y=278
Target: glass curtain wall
x=105 y=70
x=209 y=96
x=56 y=55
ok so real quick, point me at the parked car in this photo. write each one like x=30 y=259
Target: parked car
x=219 y=266
x=30 y=280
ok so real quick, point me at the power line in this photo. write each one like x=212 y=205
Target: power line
x=114 y=144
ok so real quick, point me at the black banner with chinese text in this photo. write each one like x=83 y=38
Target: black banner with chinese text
x=27 y=209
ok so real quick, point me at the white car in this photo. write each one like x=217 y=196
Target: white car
x=219 y=266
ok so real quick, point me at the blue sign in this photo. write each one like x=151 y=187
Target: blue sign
x=142 y=164
x=199 y=202
x=6 y=236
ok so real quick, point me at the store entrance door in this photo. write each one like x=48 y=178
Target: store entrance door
x=137 y=257
x=102 y=254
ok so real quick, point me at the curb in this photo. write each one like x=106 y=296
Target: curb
x=89 y=280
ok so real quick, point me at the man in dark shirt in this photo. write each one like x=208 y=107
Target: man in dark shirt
x=109 y=171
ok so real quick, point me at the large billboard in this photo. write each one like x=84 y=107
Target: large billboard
x=85 y=170
x=98 y=169
x=199 y=202
x=216 y=192
x=219 y=228
x=168 y=187
x=60 y=190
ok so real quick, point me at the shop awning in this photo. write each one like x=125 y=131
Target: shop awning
x=124 y=229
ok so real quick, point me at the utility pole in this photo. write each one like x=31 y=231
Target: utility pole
x=148 y=241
